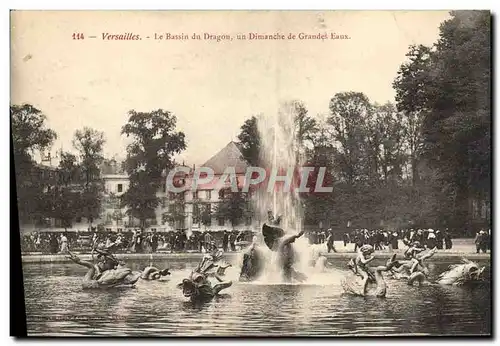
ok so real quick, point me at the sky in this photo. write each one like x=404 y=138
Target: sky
x=212 y=87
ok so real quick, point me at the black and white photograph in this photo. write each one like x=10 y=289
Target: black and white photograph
x=251 y=173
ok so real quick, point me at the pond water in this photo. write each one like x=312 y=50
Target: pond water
x=56 y=305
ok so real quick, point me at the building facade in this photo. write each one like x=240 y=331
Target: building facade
x=114 y=216
x=201 y=204
x=193 y=210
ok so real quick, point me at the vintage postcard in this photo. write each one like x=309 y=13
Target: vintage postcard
x=251 y=173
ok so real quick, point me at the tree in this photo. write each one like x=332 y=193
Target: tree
x=65 y=203
x=89 y=144
x=460 y=108
x=206 y=215
x=29 y=132
x=305 y=129
x=348 y=114
x=389 y=142
x=117 y=216
x=363 y=148
x=202 y=213
x=140 y=198
x=62 y=199
x=320 y=207
x=234 y=206
x=409 y=85
x=29 y=135
x=176 y=213
x=69 y=170
x=454 y=92
x=249 y=139
x=154 y=142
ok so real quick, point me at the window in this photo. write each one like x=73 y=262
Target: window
x=120 y=188
x=120 y=229
x=221 y=221
x=195 y=195
x=209 y=194
x=221 y=194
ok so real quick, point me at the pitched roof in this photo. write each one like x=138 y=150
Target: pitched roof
x=229 y=156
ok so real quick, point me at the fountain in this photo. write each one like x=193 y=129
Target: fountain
x=279 y=151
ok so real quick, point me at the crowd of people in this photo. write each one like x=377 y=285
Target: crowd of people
x=136 y=241
x=48 y=242
x=380 y=239
x=483 y=241
x=139 y=241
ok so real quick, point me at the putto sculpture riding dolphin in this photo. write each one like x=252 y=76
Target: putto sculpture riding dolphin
x=467 y=272
x=413 y=270
x=107 y=273
x=197 y=287
x=375 y=285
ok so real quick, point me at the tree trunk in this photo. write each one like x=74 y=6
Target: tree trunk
x=414 y=169
x=461 y=204
x=462 y=209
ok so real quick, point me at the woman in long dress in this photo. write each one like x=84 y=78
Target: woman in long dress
x=64 y=244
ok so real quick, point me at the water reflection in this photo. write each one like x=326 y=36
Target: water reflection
x=56 y=305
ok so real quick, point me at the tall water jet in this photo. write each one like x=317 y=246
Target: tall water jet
x=280 y=154
x=278 y=151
